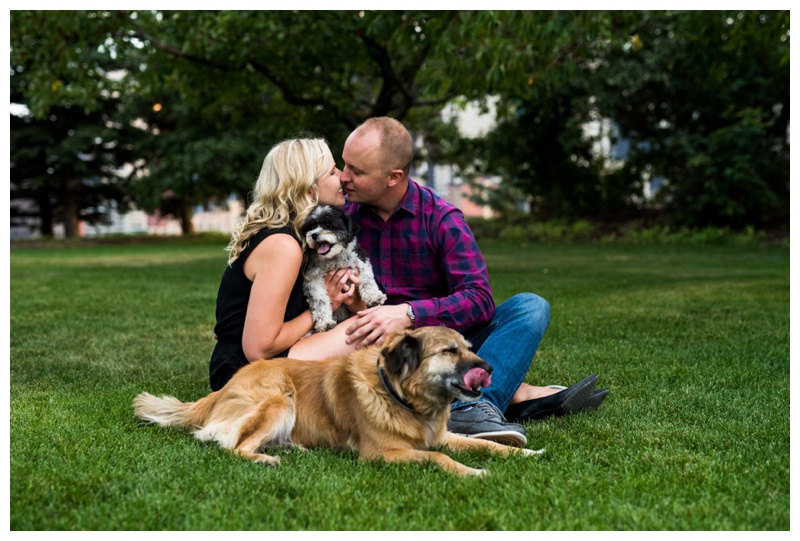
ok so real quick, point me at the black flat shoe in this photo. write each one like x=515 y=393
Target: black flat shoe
x=570 y=400
x=595 y=399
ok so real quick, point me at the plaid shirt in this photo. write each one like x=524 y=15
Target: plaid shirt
x=426 y=255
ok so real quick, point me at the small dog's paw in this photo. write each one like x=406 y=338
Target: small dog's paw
x=477 y=472
x=323 y=326
x=371 y=298
x=323 y=322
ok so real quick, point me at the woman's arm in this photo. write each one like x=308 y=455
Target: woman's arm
x=273 y=267
x=323 y=345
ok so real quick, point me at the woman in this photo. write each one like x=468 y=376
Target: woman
x=261 y=312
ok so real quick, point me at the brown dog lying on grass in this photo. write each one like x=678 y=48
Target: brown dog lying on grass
x=389 y=403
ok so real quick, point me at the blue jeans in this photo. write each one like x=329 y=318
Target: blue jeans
x=508 y=343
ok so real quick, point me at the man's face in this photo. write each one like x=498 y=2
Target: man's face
x=363 y=176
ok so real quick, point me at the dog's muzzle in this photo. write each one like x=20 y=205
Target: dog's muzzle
x=320 y=246
x=474 y=380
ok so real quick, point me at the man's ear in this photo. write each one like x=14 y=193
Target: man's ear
x=403 y=357
x=395 y=177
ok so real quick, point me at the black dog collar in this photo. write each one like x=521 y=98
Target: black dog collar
x=397 y=398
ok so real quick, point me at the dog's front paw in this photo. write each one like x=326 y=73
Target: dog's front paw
x=531 y=452
x=267 y=460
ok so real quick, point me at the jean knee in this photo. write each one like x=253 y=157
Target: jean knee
x=533 y=307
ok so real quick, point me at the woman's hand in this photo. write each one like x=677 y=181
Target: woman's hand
x=341 y=285
x=354 y=303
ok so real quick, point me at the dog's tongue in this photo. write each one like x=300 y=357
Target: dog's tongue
x=477 y=378
x=324 y=248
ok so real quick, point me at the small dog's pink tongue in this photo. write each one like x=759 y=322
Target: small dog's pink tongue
x=324 y=248
x=477 y=378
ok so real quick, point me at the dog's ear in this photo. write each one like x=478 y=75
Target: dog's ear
x=352 y=227
x=403 y=357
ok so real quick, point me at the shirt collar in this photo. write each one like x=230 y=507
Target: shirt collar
x=411 y=199
x=409 y=203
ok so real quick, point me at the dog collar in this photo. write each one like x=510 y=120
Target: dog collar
x=397 y=398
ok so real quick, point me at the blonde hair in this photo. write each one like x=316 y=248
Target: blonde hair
x=396 y=146
x=285 y=191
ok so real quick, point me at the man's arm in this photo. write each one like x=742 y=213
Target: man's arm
x=468 y=301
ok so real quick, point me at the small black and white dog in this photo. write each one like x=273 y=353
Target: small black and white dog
x=330 y=236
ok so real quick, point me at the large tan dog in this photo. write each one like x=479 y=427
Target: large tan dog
x=389 y=403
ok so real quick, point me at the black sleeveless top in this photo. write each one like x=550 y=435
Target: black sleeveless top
x=232 y=299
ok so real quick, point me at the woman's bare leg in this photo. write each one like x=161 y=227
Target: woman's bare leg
x=530 y=392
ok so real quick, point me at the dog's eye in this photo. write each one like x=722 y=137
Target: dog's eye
x=452 y=350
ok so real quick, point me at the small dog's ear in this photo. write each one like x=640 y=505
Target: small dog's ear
x=403 y=357
x=352 y=227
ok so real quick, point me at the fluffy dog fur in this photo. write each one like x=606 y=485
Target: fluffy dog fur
x=330 y=235
x=344 y=403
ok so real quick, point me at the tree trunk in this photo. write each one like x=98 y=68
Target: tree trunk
x=71 y=210
x=45 y=213
x=187 y=227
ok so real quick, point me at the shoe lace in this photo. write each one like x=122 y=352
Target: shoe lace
x=490 y=410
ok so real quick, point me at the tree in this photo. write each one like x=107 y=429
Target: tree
x=541 y=151
x=191 y=162
x=700 y=98
x=67 y=165
x=703 y=98
x=540 y=146
x=68 y=157
x=330 y=69
x=230 y=83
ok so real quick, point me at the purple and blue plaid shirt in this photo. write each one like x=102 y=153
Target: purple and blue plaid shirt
x=426 y=255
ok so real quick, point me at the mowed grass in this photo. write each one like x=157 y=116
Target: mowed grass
x=693 y=342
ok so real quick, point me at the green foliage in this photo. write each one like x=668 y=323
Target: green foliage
x=539 y=149
x=521 y=228
x=700 y=98
x=695 y=435
x=703 y=99
x=68 y=164
x=66 y=56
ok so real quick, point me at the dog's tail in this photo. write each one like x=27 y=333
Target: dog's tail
x=169 y=411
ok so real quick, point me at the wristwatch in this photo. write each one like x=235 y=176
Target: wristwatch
x=411 y=316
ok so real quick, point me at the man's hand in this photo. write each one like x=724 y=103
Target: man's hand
x=375 y=324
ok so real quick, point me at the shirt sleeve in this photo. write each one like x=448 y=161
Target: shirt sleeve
x=470 y=300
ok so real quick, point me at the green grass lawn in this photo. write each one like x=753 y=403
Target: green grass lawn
x=693 y=342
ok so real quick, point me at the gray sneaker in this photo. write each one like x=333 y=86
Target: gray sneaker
x=484 y=421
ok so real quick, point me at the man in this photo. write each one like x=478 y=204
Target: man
x=426 y=259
